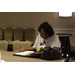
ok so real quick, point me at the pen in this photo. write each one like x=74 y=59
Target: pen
x=20 y=47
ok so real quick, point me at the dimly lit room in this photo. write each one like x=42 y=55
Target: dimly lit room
x=21 y=31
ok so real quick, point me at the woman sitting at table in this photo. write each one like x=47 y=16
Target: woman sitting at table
x=45 y=38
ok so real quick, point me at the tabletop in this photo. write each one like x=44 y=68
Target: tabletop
x=7 y=56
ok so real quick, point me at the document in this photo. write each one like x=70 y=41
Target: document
x=25 y=53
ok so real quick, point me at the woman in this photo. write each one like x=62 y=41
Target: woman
x=46 y=38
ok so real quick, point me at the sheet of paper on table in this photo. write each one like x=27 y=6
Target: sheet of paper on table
x=24 y=53
x=0 y=58
x=2 y=61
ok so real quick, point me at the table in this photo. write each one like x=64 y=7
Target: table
x=7 y=56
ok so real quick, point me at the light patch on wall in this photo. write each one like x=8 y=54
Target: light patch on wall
x=65 y=14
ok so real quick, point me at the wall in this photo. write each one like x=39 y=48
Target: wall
x=34 y=19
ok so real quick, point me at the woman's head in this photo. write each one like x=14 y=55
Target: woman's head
x=45 y=30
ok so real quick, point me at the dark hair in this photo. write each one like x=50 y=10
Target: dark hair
x=47 y=28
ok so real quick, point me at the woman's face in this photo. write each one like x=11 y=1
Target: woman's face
x=43 y=34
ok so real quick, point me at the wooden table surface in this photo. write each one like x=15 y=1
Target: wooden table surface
x=7 y=56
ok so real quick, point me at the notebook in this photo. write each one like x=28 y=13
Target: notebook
x=28 y=54
x=25 y=53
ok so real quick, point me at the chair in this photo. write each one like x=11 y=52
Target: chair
x=18 y=34
x=23 y=44
x=30 y=34
x=8 y=34
x=1 y=33
x=3 y=45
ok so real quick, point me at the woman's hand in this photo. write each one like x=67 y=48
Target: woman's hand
x=22 y=50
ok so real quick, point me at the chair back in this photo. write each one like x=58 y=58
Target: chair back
x=30 y=34
x=8 y=34
x=1 y=33
x=18 y=34
x=23 y=44
x=3 y=45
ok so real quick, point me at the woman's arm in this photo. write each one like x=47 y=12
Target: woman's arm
x=31 y=48
x=22 y=50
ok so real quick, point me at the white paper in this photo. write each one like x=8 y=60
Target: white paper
x=24 y=53
x=3 y=61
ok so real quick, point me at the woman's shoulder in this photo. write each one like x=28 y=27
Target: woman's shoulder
x=55 y=36
x=39 y=36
